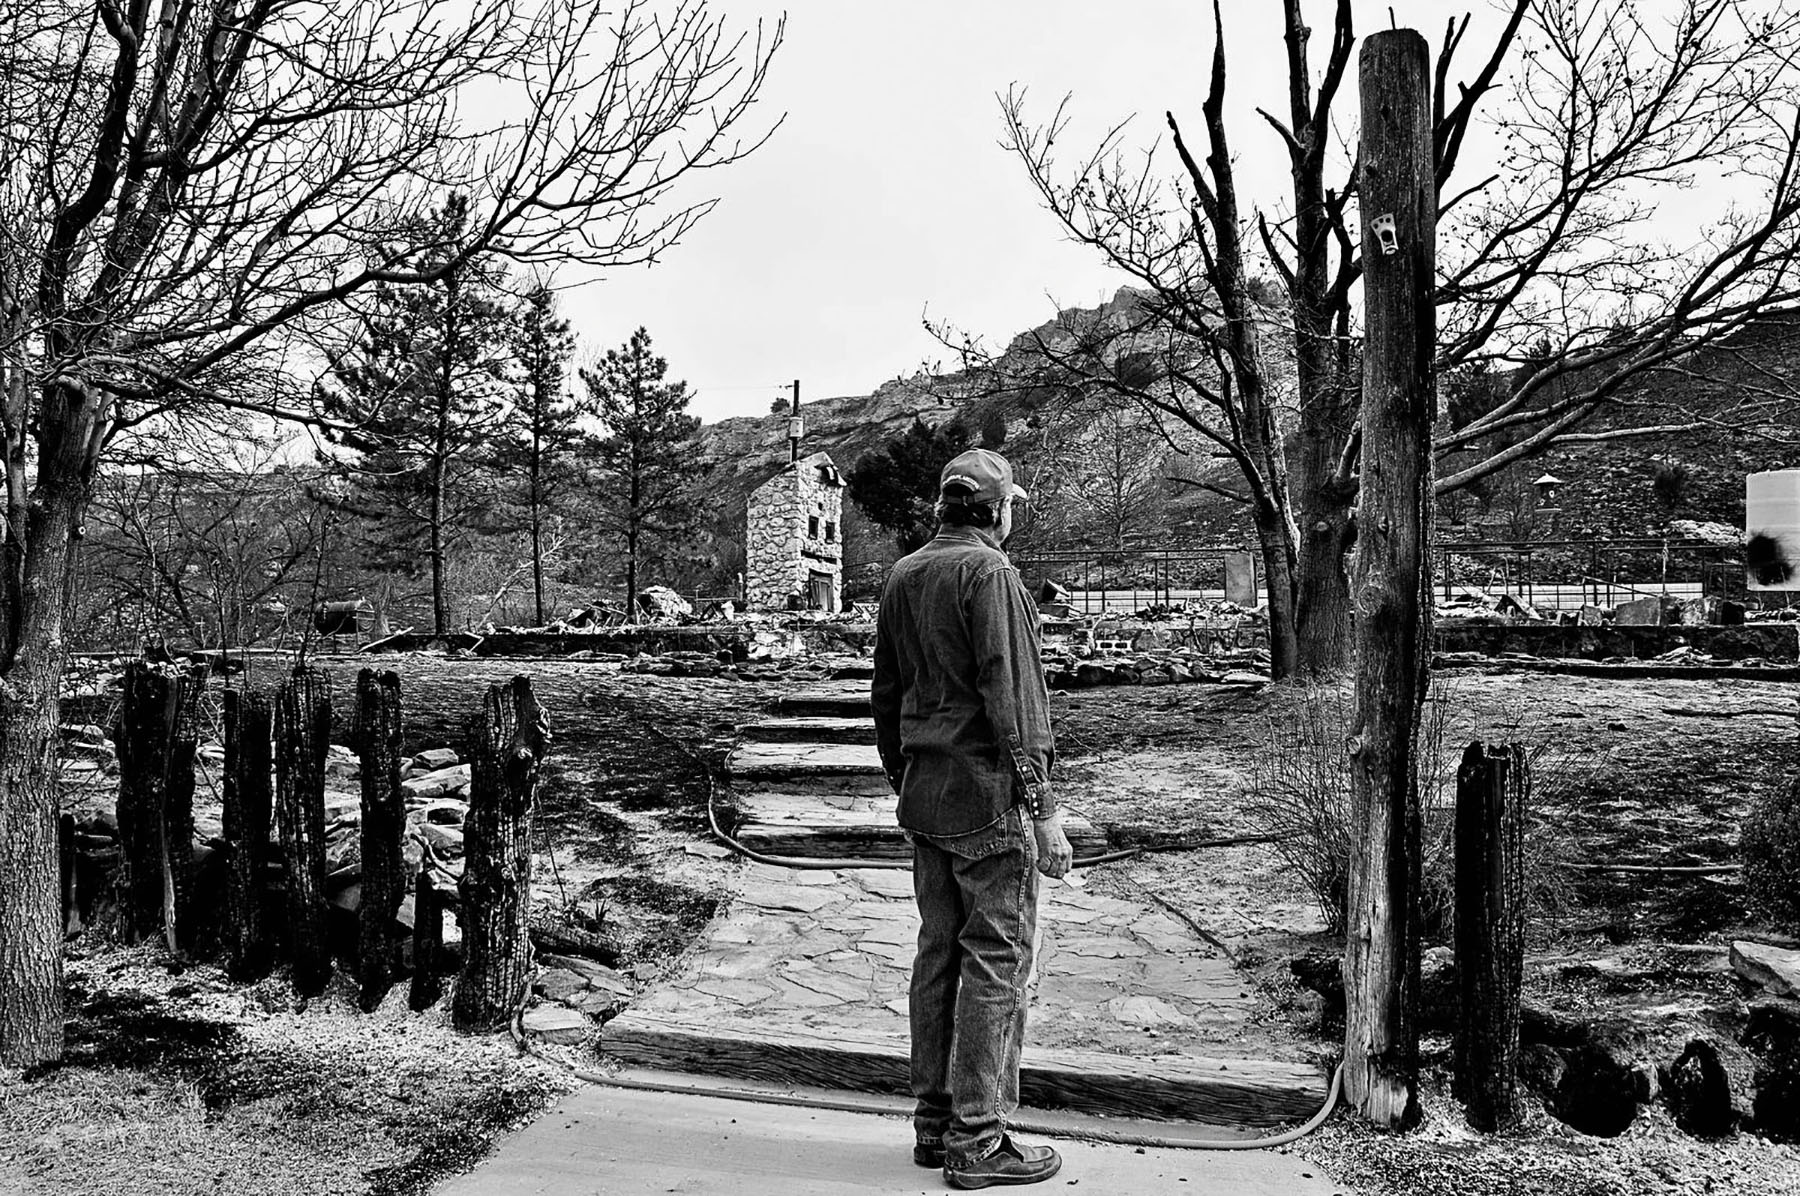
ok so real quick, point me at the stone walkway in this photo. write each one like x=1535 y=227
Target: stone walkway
x=804 y=981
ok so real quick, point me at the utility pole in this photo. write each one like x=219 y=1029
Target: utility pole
x=796 y=426
x=1391 y=583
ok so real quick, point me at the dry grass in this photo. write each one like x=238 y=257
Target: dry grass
x=177 y=1084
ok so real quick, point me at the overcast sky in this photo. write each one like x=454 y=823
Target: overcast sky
x=885 y=193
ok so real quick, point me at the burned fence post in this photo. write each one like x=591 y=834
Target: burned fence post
x=156 y=735
x=248 y=811
x=302 y=737
x=377 y=738
x=427 y=945
x=1492 y=786
x=506 y=748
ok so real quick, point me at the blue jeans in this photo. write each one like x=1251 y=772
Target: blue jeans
x=977 y=897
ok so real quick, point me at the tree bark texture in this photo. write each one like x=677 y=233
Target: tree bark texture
x=37 y=592
x=506 y=748
x=378 y=733
x=1492 y=787
x=1391 y=581
x=156 y=735
x=248 y=812
x=427 y=945
x=302 y=738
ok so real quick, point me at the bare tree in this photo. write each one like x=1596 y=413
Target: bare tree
x=1556 y=244
x=189 y=190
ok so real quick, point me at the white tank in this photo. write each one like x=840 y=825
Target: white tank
x=1772 y=530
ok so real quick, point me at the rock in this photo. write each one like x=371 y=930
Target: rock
x=341 y=762
x=1698 y=1092
x=88 y=733
x=446 y=811
x=437 y=783
x=1642 y=612
x=660 y=602
x=603 y=1006
x=558 y=1024
x=434 y=759
x=1775 y=968
x=1243 y=677
x=445 y=840
x=1147 y=1013
x=559 y=984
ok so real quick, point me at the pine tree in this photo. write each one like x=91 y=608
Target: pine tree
x=644 y=471
x=543 y=433
x=422 y=388
x=896 y=485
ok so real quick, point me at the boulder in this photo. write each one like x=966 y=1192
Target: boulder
x=1776 y=969
x=340 y=762
x=445 y=840
x=1598 y=1094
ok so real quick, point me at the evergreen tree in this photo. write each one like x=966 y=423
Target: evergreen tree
x=644 y=469
x=422 y=390
x=896 y=485
x=536 y=452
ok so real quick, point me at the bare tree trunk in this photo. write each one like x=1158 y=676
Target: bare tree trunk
x=1491 y=789
x=302 y=738
x=377 y=736
x=248 y=812
x=506 y=748
x=31 y=667
x=1392 y=581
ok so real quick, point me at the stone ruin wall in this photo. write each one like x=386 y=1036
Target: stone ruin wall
x=781 y=553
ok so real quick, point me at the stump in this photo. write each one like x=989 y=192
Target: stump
x=377 y=735
x=156 y=735
x=1491 y=790
x=248 y=811
x=427 y=944
x=506 y=748
x=302 y=737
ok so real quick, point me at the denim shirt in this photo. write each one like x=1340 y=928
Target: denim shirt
x=962 y=714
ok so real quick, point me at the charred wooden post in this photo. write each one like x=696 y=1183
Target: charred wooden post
x=302 y=738
x=1391 y=580
x=377 y=738
x=427 y=945
x=248 y=811
x=65 y=843
x=1492 y=786
x=506 y=749
x=155 y=739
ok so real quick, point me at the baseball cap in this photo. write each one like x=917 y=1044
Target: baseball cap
x=978 y=476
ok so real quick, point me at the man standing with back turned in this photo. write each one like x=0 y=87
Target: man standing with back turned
x=962 y=720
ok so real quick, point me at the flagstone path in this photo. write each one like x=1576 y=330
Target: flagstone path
x=805 y=980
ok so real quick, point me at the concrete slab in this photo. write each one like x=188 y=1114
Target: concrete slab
x=816 y=729
x=614 y=1142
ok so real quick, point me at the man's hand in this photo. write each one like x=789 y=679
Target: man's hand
x=1053 y=851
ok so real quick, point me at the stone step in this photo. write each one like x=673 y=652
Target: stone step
x=853 y=826
x=807 y=767
x=1245 y=1092
x=844 y=699
x=814 y=729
